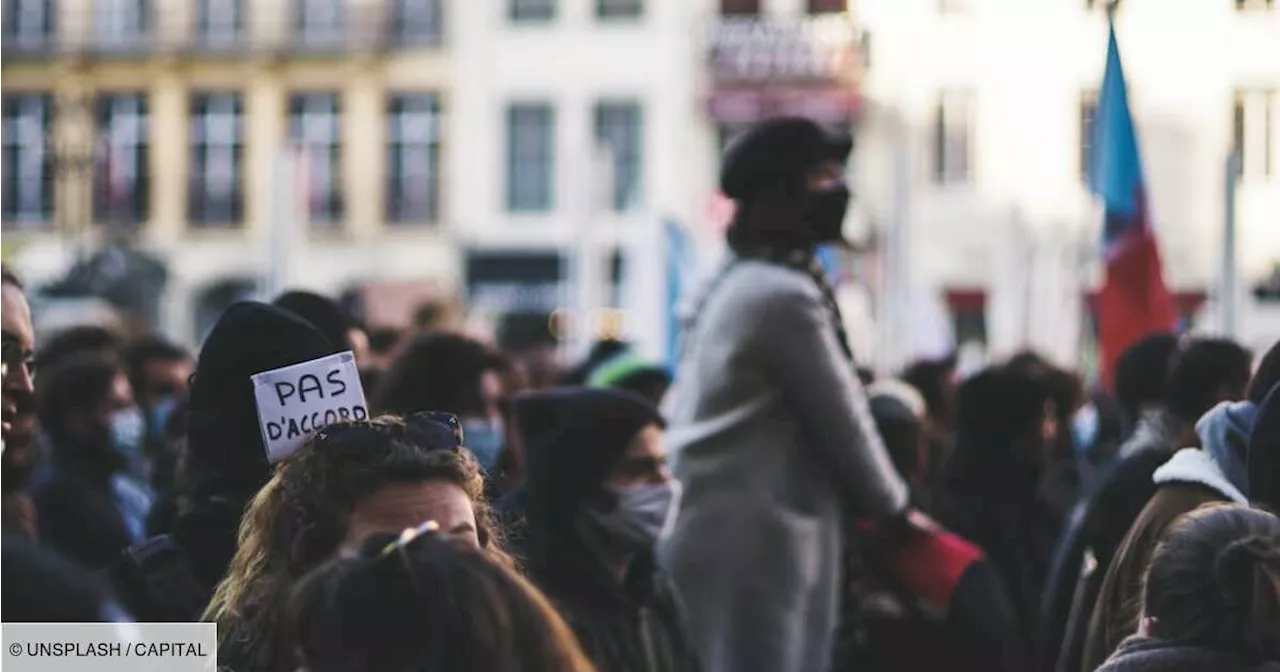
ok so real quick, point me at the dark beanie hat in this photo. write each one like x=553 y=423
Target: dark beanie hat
x=224 y=439
x=776 y=152
x=322 y=312
x=572 y=439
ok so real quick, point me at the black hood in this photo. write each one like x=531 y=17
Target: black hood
x=1264 y=453
x=572 y=438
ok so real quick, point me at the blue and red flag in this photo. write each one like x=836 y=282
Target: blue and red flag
x=1133 y=301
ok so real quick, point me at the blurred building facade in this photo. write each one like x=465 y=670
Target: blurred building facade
x=163 y=123
x=989 y=102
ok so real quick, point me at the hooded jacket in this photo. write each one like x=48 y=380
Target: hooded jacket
x=1192 y=478
x=172 y=577
x=572 y=438
x=1149 y=654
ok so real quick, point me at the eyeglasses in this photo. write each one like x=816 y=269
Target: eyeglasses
x=429 y=430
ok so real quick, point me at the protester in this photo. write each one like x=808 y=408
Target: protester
x=349 y=480
x=418 y=602
x=628 y=371
x=17 y=392
x=597 y=496
x=159 y=372
x=41 y=586
x=78 y=340
x=453 y=373
x=769 y=423
x=937 y=382
x=90 y=508
x=600 y=352
x=932 y=600
x=226 y=461
x=342 y=332
x=1216 y=471
x=1004 y=421
x=1264 y=449
x=1211 y=597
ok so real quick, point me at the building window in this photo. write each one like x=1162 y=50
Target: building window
x=318 y=23
x=315 y=125
x=619 y=128
x=1253 y=132
x=827 y=6
x=1088 y=108
x=122 y=24
x=417 y=22
x=619 y=9
x=219 y=22
x=28 y=24
x=1247 y=5
x=27 y=198
x=530 y=156
x=739 y=7
x=215 y=193
x=413 y=158
x=953 y=129
x=122 y=175
x=532 y=11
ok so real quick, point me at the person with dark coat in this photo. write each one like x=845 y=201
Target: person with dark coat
x=1264 y=452
x=1004 y=421
x=90 y=507
x=41 y=586
x=1216 y=471
x=770 y=430
x=933 y=600
x=597 y=496
x=1210 y=597
x=1169 y=388
x=226 y=464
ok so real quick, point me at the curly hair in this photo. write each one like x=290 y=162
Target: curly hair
x=300 y=517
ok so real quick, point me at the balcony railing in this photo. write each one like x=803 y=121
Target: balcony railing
x=378 y=25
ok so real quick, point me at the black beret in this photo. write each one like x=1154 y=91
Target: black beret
x=776 y=151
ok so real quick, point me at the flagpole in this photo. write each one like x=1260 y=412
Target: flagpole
x=1227 y=289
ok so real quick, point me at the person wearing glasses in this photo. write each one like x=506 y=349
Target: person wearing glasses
x=418 y=601
x=597 y=497
x=348 y=481
x=18 y=408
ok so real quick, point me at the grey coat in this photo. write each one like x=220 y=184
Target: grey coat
x=771 y=437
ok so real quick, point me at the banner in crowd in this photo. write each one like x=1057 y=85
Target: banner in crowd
x=295 y=401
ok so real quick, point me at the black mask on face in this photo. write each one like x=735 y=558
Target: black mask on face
x=826 y=214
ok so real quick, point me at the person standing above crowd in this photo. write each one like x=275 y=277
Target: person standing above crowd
x=770 y=430
x=418 y=602
x=90 y=506
x=597 y=496
x=1211 y=597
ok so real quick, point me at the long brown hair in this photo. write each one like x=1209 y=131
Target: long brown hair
x=420 y=602
x=299 y=519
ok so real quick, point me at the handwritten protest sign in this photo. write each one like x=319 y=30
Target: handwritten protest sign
x=295 y=401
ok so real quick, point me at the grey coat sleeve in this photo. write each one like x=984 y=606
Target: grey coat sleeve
x=796 y=340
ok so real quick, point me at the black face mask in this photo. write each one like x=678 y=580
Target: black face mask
x=826 y=214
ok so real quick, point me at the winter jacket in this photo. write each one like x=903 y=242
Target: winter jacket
x=1149 y=654
x=771 y=435
x=1192 y=478
x=1092 y=534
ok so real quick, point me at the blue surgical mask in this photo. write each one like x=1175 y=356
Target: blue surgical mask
x=128 y=429
x=484 y=439
x=161 y=410
x=643 y=515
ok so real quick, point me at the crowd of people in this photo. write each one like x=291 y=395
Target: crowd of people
x=767 y=504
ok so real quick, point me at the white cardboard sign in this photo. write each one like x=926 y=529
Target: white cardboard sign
x=295 y=401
